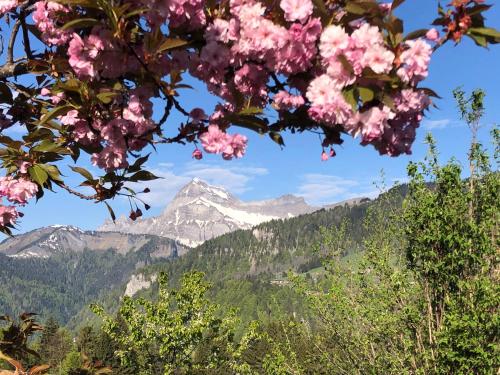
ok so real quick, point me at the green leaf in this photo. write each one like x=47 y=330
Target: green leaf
x=250 y=122
x=171 y=43
x=142 y=176
x=430 y=92
x=111 y=212
x=106 y=97
x=52 y=171
x=38 y=174
x=251 y=111
x=354 y=8
x=47 y=146
x=350 y=98
x=480 y=40
x=416 y=34
x=80 y=23
x=276 y=137
x=396 y=3
x=485 y=31
x=83 y=172
x=322 y=9
x=58 y=111
x=366 y=94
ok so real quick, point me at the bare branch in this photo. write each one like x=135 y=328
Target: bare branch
x=26 y=38
x=12 y=42
x=78 y=194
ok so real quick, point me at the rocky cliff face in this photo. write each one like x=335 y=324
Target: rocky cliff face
x=57 y=239
x=200 y=211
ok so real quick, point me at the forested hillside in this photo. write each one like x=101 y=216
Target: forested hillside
x=61 y=285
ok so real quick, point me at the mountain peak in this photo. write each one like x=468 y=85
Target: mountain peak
x=197 y=188
x=200 y=211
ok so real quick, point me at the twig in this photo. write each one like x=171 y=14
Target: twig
x=76 y=193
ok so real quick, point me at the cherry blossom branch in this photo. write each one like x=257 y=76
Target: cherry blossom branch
x=78 y=194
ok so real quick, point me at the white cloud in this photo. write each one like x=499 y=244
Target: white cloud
x=235 y=179
x=438 y=124
x=321 y=189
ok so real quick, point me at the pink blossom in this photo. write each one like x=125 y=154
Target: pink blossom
x=324 y=156
x=83 y=134
x=7 y=6
x=23 y=166
x=385 y=7
x=373 y=123
x=297 y=10
x=110 y=158
x=237 y=149
x=251 y=79
x=18 y=190
x=47 y=17
x=378 y=59
x=215 y=55
x=70 y=118
x=8 y=215
x=214 y=140
x=415 y=61
x=432 y=35
x=197 y=154
x=285 y=101
x=334 y=40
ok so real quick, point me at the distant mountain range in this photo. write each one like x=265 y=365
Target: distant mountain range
x=198 y=212
x=201 y=211
x=60 y=239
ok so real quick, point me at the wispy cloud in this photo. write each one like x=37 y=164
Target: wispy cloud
x=439 y=124
x=236 y=179
x=321 y=189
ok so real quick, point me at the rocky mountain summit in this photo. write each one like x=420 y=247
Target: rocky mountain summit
x=201 y=211
x=57 y=239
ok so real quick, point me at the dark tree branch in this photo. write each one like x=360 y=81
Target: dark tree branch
x=26 y=38
x=12 y=42
x=13 y=69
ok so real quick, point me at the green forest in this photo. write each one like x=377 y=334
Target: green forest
x=404 y=284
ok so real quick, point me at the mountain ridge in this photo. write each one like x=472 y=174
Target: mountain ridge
x=200 y=211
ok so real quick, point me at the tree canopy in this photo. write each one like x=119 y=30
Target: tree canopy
x=93 y=68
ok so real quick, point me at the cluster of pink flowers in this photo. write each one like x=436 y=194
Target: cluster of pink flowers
x=129 y=130
x=177 y=13
x=47 y=18
x=283 y=100
x=97 y=56
x=215 y=141
x=18 y=191
x=245 y=50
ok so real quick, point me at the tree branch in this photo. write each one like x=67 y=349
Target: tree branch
x=26 y=38
x=78 y=194
x=14 y=68
x=12 y=41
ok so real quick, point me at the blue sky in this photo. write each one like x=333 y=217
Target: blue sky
x=267 y=171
